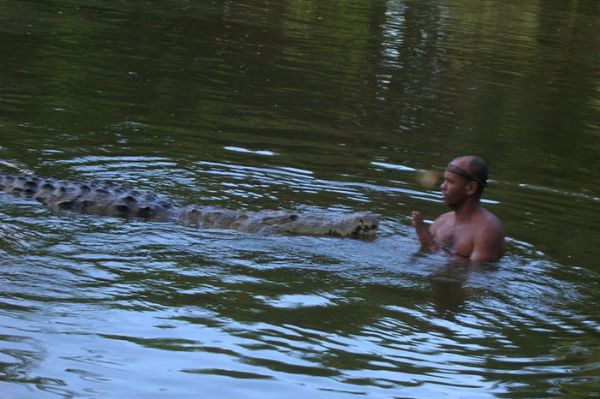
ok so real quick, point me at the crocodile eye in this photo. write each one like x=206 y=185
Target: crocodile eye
x=145 y=212
x=65 y=205
x=123 y=209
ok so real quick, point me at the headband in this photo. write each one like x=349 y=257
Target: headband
x=457 y=170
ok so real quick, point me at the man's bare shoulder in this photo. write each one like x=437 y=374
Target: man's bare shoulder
x=489 y=231
x=444 y=217
x=489 y=238
x=490 y=222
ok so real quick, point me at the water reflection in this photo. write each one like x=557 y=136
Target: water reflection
x=448 y=291
x=323 y=106
x=247 y=307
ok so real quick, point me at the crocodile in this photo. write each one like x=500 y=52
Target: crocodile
x=112 y=199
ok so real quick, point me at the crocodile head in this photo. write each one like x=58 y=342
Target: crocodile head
x=355 y=225
x=365 y=226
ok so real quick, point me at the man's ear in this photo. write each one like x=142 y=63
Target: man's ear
x=472 y=187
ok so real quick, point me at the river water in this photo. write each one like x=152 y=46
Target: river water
x=320 y=106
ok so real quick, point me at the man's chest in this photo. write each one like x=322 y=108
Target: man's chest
x=456 y=239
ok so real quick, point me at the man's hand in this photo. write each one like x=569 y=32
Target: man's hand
x=417 y=219
x=423 y=233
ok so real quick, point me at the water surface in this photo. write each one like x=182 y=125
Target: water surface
x=318 y=106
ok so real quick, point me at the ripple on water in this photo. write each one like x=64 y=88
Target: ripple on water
x=105 y=299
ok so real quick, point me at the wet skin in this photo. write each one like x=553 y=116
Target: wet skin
x=469 y=231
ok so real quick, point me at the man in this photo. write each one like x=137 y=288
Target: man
x=468 y=231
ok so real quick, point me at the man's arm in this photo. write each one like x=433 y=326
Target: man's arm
x=423 y=233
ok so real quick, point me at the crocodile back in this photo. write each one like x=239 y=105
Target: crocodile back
x=89 y=198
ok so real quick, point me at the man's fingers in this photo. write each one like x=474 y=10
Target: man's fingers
x=416 y=218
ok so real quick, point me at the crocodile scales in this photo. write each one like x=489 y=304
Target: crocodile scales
x=110 y=199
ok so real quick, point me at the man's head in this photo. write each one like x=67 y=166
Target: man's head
x=464 y=177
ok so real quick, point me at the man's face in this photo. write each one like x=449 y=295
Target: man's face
x=454 y=189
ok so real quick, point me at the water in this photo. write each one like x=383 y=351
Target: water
x=318 y=106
